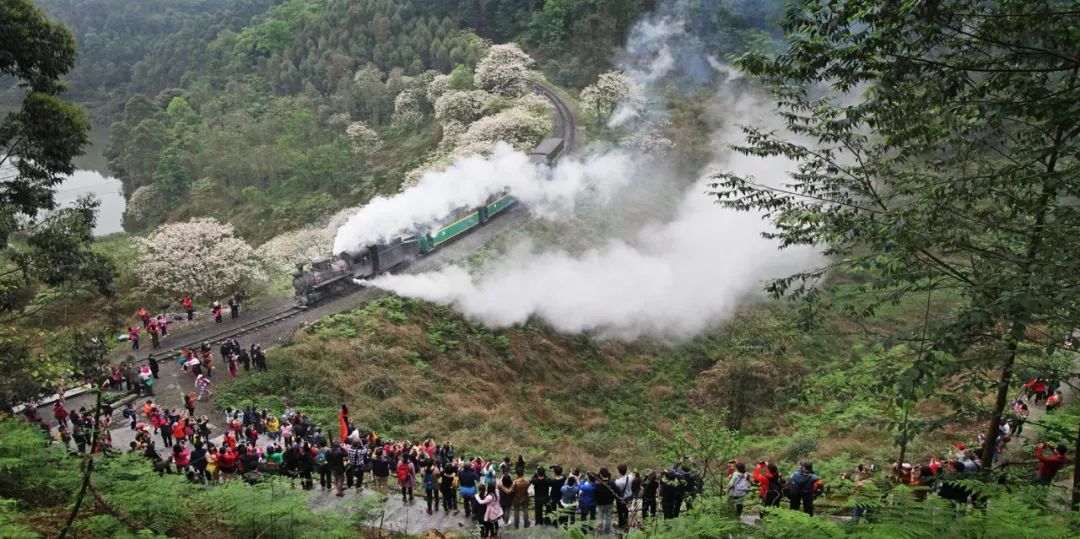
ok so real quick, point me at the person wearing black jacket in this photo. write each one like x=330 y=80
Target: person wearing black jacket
x=605 y=501
x=446 y=488
x=380 y=470
x=249 y=460
x=335 y=463
x=671 y=494
x=555 y=486
x=540 y=487
x=198 y=461
x=649 y=490
x=467 y=479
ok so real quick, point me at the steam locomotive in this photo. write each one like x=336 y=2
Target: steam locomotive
x=334 y=276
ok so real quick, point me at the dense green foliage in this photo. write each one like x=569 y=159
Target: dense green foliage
x=45 y=253
x=38 y=478
x=952 y=169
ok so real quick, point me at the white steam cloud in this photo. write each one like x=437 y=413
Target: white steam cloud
x=471 y=180
x=670 y=278
x=673 y=280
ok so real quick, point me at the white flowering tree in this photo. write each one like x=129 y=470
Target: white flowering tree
x=612 y=89
x=439 y=85
x=144 y=202
x=285 y=251
x=519 y=126
x=201 y=257
x=339 y=118
x=504 y=71
x=649 y=140
x=364 y=140
x=465 y=107
x=407 y=111
x=452 y=131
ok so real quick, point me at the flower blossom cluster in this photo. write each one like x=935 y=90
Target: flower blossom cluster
x=201 y=257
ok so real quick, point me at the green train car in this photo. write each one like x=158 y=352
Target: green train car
x=333 y=276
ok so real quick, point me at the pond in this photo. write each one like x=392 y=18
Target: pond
x=92 y=177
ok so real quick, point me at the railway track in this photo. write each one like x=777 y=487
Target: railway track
x=564 y=126
x=255 y=324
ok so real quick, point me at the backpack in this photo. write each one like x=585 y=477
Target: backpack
x=740 y=485
x=320 y=458
x=403 y=472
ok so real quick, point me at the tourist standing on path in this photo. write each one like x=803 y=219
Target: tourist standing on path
x=650 y=489
x=1049 y=465
x=624 y=492
x=153 y=364
x=189 y=307
x=738 y=487
x=133 y=336
x=258 y=357
x=521 y=499
x=406 y=476
x=541 y=487
x=335 y=461
x=605 y=501
x=506 y=495
x=431 y=486
x=152 y=329
x=60 y=413
x=163 y=324
x=488 y=500
x=234 y=307
x=215 y=308
x=801 y=489
x=467 y=480
x=202 y=383
x=189 y=403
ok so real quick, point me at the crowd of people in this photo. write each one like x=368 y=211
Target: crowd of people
x=489 y=492
x=493 y=493
x=156 y=327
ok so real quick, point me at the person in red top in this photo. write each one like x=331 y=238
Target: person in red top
x=768 y=476
x=60 y=413
x=1053 y=402
x=145 y=316
x=1037 y=387
x=227 y=464
x=1049 y=465
x=188 y=307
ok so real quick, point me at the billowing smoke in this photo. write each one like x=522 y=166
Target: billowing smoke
x=471 y=180
x=679 y=272
x=672 y=280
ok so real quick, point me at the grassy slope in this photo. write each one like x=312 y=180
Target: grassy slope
x=415 y=370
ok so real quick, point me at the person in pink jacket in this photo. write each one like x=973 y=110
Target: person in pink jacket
x=181 y=457
x=489 y=529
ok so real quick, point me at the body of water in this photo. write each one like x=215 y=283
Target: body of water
x=92 y=177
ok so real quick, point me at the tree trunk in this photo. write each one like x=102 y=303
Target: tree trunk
x=88 y=469
x=1000 y=402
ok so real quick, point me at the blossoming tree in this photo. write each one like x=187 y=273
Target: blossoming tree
x=610 y=90
x=504 y=71
x=364 y=141
x=201 y=257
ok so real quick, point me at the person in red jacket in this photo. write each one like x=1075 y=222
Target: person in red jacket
x=60 y=413
x=1049 y=465
x=188 y=307
x=768 y=476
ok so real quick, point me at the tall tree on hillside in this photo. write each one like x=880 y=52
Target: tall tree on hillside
x=949 y=167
